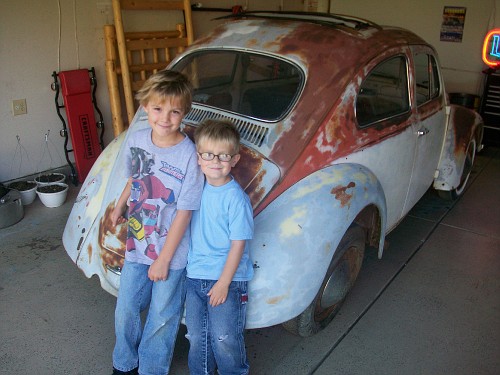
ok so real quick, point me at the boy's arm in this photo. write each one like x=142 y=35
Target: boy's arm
x=218 y=293
x=159 y=269
x=117 y=213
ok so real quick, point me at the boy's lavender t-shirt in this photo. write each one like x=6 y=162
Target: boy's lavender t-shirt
x=164 y=180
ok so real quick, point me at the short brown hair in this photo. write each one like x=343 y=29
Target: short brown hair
x=165 y=84
x=219 y=131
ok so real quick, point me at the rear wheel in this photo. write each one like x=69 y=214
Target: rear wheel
x=339 y=279
x=453 y=194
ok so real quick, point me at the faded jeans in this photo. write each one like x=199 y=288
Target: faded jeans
x=216 y=334
x=151 y=348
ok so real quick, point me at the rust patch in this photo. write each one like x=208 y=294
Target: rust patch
x=322 y=110
x=112 y=240
x=252 y=42
x=322 y=126
x=89 y=252
x=462 y=120
x=430 y=109
x=341 y=194
x=249 y=174
x=275 y=300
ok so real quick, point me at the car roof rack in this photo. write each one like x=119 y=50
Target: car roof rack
x=327 y=19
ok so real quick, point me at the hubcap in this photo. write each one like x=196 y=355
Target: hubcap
x=337 y=285
x=341 y=279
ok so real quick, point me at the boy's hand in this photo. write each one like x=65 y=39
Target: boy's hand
x=218 y=294
x=158 y=271
x=117 y=217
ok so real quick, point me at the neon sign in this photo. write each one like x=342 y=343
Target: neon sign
x=491 y=49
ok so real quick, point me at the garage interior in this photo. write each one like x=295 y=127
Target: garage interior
x=431 y=305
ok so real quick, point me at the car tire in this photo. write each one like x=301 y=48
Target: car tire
x=338 y=281
x=451 y=195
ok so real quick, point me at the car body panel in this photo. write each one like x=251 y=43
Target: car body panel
x=467 y=126
x=312 y=171
x=95 y=245
x=393 y=174
x=288 y=271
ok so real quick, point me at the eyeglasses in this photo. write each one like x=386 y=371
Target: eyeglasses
x=209 y=156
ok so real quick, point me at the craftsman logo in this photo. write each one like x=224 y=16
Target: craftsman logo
x=86 y=137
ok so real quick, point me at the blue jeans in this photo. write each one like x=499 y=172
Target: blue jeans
x=151 y=348
x=216 y=333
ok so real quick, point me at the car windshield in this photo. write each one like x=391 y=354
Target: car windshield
x=252 y=85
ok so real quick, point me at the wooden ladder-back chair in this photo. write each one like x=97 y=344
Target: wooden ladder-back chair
x=134 y=56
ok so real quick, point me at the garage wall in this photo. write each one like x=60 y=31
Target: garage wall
x=461 y=62
x=39 y=37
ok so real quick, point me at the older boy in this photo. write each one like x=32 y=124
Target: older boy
x=164 y=188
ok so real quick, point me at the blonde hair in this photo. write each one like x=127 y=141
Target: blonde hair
x=164 y=85
x=218 y=131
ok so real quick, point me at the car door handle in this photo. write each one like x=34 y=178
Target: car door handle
x=422 y=131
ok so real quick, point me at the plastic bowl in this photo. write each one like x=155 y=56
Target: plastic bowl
x=27 y=189
x=28 y=196
x=49 y=178
x=50 y=197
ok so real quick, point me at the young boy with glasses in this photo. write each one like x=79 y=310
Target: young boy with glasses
x=219 y=266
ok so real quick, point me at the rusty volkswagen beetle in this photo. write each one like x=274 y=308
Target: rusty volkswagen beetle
x=344 y=125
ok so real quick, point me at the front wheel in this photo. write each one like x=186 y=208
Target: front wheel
x=453 y=194
x=339 y=279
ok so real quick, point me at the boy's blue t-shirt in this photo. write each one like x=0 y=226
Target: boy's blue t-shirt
x=164 y=180
x=225 y=214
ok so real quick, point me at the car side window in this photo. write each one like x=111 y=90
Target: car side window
x=384 y=92
x=426 y=78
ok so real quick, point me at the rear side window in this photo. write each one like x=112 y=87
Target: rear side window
x=384 y=92
x=426 y=77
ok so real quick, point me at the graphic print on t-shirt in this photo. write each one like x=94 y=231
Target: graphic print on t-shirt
x=147 y=197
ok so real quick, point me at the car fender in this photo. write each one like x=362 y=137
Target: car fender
x=295 y=238
x=89 y=201
x=463 y=126
x=88 y=226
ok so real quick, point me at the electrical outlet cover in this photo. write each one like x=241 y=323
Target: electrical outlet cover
x=19 y=107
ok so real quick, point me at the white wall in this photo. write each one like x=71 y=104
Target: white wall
x=30 y=52
x=461 y=62
x=31 y=49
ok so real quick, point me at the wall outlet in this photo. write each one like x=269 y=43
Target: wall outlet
x=19 y=107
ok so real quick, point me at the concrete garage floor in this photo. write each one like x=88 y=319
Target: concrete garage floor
x=430 y=306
